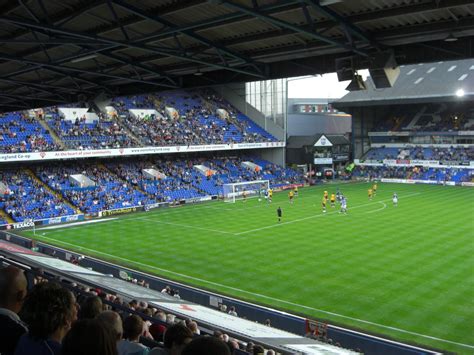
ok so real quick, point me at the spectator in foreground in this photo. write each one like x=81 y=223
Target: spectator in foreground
x=206 y=346
x=91 y=307
x=258 y=350
x=112 y=319
x=12 y=293
x=49 y=311
x=193 y=327
x=175 y=339
x=133 y=328
x=90 y=337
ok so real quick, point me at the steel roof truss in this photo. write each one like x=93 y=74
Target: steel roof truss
x=155 y=18
x=347 y=25
x=29 y=24
x=295 y=28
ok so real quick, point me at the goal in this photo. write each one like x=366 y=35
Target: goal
x=235 y=191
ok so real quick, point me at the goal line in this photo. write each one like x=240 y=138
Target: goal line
x=243 y=190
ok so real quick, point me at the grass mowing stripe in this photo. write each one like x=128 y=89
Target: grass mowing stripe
x=268 y=297
x=183 y=225
x=384 y=206
x=314 y=216
x=408 y=267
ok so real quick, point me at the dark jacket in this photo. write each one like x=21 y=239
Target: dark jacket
x=11 y=329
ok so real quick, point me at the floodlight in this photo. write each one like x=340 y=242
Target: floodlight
x=460 y=93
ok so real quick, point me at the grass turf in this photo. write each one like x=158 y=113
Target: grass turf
x=405 y=272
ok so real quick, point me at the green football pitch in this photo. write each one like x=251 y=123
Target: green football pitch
x=406 y=272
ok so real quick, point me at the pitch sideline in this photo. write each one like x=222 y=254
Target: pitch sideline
x=267 y=297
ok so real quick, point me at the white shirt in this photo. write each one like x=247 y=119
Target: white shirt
x=127 y=347
x=10 y=314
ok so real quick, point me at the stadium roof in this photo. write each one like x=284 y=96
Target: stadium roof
x=430 y=82
x=296 y=142
x=64 y=51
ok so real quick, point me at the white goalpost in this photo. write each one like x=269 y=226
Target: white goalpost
x=248 y=189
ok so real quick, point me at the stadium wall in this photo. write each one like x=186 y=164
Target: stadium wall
x=235 y=94
x=362 y=123
x=276 y=155
x=312 y=124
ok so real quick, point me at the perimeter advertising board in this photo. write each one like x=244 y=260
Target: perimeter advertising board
x=102 y=153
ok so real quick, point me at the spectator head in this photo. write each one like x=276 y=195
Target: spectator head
x=132 y=327
x=89 y=336
x=170 y=318
x=91 y=307
x=49 y=310
x=249 y=347
x=113 y=320
x=161 y=316
x=12 y=288
x=176 y=337
x=193 y=327
x=258 y=350
x=206 y=346
x=218 y=334
x=147 y=311
x=157 y=330
x=233 y=344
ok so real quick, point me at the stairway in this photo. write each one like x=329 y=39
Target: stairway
x=52 y=133
x=55 y=193
x=398 y=123
x=207 y=105
x=6 y=217
x=157 y=104
x=122 y=123
x=415 y=119
x=102 y=166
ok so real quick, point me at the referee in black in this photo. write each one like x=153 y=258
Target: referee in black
x=279 y=214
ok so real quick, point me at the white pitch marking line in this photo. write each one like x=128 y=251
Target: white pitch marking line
x=267 y=297
x=75 y=224
x=183 y=225
x=384 y=206
x=316 y=216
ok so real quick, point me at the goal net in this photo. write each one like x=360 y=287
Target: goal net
x=247 y=189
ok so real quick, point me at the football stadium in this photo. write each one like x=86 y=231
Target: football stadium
x=177 y=177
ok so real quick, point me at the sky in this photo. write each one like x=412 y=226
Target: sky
x=325 y=86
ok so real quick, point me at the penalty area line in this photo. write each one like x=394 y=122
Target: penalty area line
x=265 y=296
x=384 y=206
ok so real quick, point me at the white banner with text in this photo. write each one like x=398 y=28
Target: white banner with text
x=103 y=153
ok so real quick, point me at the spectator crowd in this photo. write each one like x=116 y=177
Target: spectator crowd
x=459 y=154
x=62 y=189
x=178 y=118
x=414 y=173
x=40 y=315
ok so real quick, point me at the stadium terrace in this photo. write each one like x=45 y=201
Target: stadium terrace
x=164 y=191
